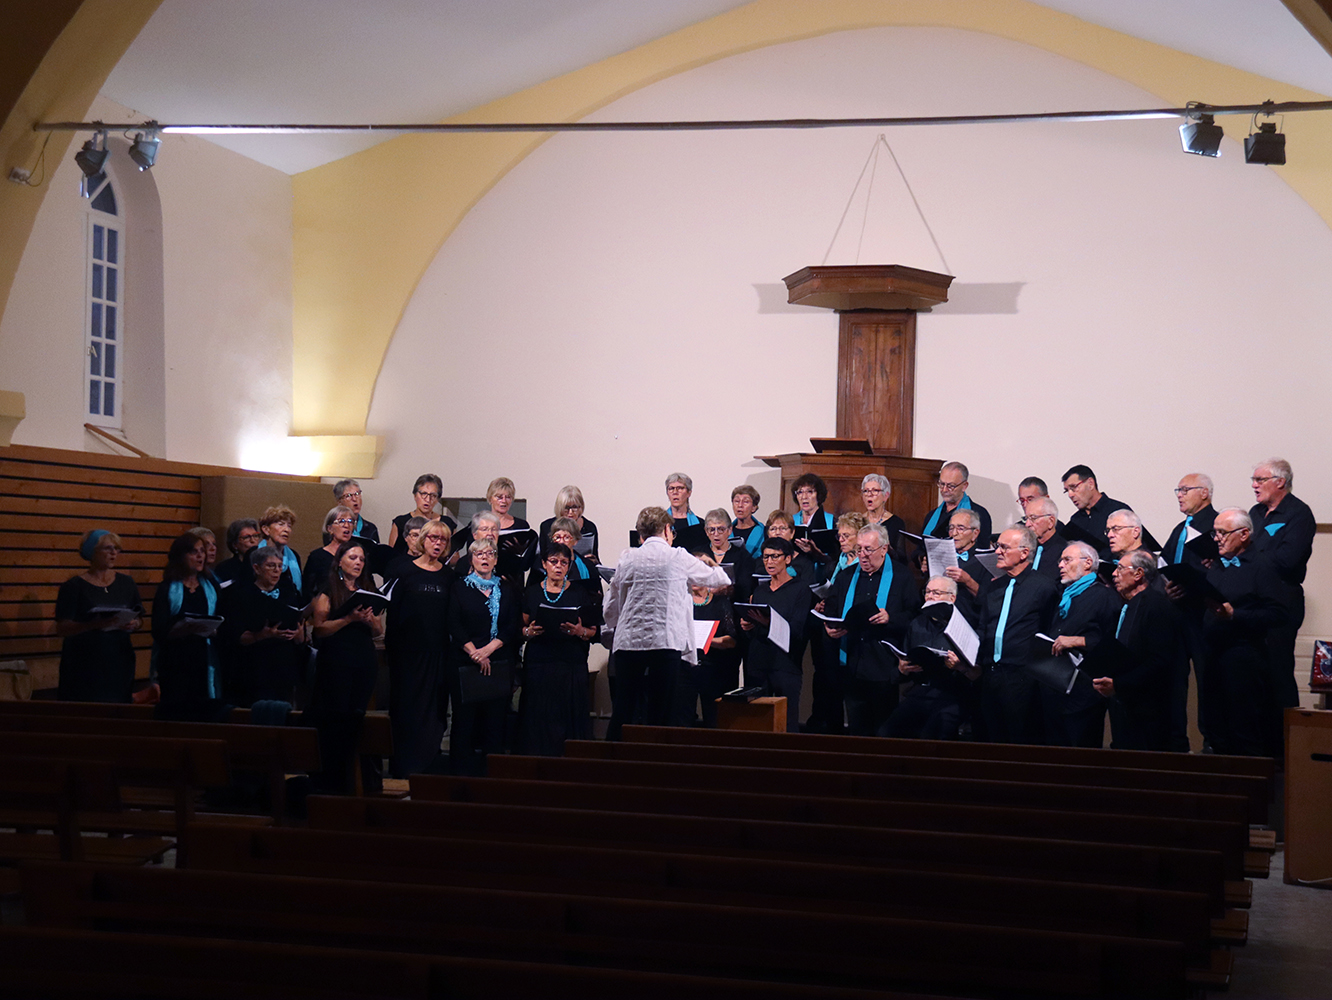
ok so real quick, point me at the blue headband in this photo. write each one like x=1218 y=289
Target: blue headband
x=89 y=544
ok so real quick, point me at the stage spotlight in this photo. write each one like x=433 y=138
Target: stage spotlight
x=90 y=158
x=143 y=150
x=1202 y=137
x=1267 y=145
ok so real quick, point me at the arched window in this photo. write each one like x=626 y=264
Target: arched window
x=105 y=287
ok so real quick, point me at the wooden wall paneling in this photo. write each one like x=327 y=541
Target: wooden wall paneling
x=876 y=378
x=49 y=498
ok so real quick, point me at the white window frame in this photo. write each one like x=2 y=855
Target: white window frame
x=91 y=345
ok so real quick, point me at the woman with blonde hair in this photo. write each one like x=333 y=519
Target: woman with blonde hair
x=569 y=503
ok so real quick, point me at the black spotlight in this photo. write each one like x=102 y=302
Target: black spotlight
x=1202 y=137
x=1267 y=145
x=143 y=150
x=90 y=158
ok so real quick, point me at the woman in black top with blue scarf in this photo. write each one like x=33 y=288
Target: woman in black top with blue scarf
x=185 y=663
x=485 y=622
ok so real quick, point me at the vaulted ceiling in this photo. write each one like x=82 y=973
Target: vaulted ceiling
x=379 y=61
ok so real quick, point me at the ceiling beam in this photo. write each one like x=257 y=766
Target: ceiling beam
x=1316 y=16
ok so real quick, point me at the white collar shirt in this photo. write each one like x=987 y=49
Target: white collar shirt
x=648 y=603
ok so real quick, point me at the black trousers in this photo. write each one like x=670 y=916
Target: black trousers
x=869 y=704
x=925 y=713
x=1196 y=649
x=644 y=672
x=1241 y=703
x=478 y=729
x=1010 y=702
x=1073 y=720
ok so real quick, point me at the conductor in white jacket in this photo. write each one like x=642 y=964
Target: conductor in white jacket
x=649 y=606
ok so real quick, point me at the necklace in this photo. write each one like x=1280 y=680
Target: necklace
x=556 y=599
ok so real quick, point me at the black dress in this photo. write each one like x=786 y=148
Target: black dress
x=554 y=703
x=187 y=666
x=269 y=669
x=314 y=578
x=717 y=671
x=97 y=665
x=417 y=644
x=478 y=728
x=346 y=668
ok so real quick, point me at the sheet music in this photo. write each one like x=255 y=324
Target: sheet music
x=942 y=554
x=703 y=633
x=779 y=631
x=964 y=636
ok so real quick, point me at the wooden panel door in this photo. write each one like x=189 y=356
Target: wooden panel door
x=876 y=379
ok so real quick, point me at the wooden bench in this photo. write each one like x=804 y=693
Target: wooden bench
x=272 y=751
x=1203 y=796
x=43 y=793
x=178 y=767
x=918 y=891
x=73 y=965
x=1258 y=771
x=1015 y=960
x=1206 y=867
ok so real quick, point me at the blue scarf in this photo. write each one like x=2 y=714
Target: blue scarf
x=827 y=519
x=1073 y=590
x=934 y=518
x=691 y=518
x=176 y=597
x=754 y=543
x=880 y=599
x=491 y=591
x=289 y=563
x=581 y=567
x=360 y=526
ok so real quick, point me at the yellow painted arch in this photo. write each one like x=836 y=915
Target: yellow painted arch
x=367 y=226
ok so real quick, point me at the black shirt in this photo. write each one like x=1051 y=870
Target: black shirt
x=1031 y=610
x=1255 y=591
x=867 y=657
x=1092 y=614
x=940 y=529
x=1289 y=546
x=792 y=601
x=1049 y=552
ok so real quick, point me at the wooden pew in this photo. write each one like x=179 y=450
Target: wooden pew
x=917 y=892
x=177 y=766
x=1018 y=961
x=1206 y=870
x=1219 y=797
x=376 y=737
x=273 y=751
x=1259 y=770
x=1134 y=791
x=74 y=965
x=47 y=793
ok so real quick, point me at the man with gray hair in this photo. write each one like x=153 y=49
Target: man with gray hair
x=1194 y=496
x=953 y=482
x=876 y=601
x=1124 y=530
x=1088 y=612
x=1150 y=629
x=1017 y=605
x=1284 y=531
x=1042 y=518
x=1242 y=688
x=933 y=708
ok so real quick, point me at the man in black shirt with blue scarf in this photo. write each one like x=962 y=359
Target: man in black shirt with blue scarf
x=1017 y=605
x=877 y=599
x=953 y=482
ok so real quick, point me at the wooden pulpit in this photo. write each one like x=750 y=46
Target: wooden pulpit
x=876 y=384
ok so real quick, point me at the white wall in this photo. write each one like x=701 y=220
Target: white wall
x=223 y=303
x=606 y=314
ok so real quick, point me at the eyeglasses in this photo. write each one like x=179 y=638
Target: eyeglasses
x=1185 y=490
x=718 y=529
x=572 y=507
x=872 y=490
x=805 y=491
x=1001 y=547
x=769 y=556
x=1262 y=479
x=349 y=495
x=933 y=592
x=1114 y=529
x=345 y=520
x=1071 y=486
x=1033 y=518
x=950 y=487
x=960 y=529
x=1220 y=534
x=427 y=496
x=869 y=550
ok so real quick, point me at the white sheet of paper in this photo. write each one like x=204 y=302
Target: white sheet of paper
x=988 y=559
x=1190 y=533
x=779 y=631
x=1074 y=658
x=896 y=652
x=942 y=555
x=964 y=636
x=703 y=632
x=830 y=619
